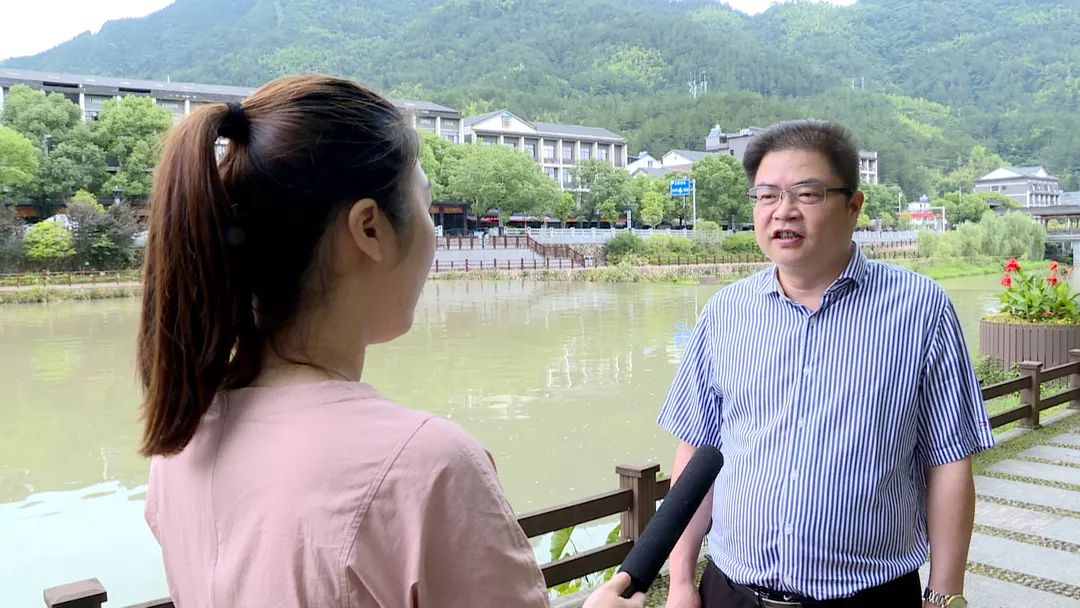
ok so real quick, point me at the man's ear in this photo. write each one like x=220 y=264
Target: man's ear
x=856 y=202
x=367 y=228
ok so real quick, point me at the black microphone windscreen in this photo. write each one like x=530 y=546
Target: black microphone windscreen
x=664 y=529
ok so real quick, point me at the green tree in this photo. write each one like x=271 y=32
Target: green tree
x=879 y=198
x=970 y=206
x=652 y=208
x=18 y=159
x=721 y=190
x=863 y=221
x=888 y=220
x=129 y=130
x=597 y=182
x=48 y=244
x=978 y=163
x=75 y=164
x=101 y=239
x=38 y=116
x=496 y=177
x=436 y=154
x=564 y=207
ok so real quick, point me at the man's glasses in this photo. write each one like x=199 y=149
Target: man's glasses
x=804 y=194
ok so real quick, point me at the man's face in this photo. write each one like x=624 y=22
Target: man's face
x=796 y=235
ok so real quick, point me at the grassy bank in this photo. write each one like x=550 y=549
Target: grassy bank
x=939 y=269
x=39 y=295
x=34 y=289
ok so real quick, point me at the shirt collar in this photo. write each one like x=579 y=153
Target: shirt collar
x=855 y=272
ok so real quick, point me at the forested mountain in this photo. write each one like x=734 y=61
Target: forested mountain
x=922 y=81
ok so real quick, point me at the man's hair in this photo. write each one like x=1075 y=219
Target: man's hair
x=835 y=142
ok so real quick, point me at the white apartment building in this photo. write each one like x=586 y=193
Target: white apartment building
x=735 y=144
x=1028 y=186
x=91 y=92
x=557 y=148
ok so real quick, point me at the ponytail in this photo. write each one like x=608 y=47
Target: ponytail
x=225 y=237
x=197 y=312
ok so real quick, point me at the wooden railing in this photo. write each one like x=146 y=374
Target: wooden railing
x=488 y=242
x=556 y=251
x=519 y=264
x=640 y=488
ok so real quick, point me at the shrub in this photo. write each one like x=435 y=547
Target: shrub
x=624 y=244
x=742 y=242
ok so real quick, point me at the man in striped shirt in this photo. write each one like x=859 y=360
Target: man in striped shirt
x=842 y=396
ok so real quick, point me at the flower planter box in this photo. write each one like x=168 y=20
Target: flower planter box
x=1012 y=343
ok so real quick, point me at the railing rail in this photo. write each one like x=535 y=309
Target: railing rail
x=640 y=488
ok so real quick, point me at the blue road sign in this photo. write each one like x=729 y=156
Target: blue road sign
x=680 y=187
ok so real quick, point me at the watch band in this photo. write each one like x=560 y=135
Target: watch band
x=937 y=598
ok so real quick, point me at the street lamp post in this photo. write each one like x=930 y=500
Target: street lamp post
x=693 y=198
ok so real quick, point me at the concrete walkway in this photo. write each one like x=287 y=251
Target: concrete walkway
x=1026 y=547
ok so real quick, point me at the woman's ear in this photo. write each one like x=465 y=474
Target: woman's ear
x=367 y=228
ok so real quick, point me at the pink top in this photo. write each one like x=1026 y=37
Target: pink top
x=329 y=494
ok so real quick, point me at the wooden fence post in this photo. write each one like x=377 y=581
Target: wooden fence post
x=1031 y=394
x=641 y=480
x=82 y=594
x=1074 y=378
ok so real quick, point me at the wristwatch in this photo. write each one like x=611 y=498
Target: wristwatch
x=944 y=600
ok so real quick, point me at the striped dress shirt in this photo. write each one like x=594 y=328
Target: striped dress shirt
x=828 y=421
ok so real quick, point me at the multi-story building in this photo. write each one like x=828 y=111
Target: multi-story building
x=735 y=144
x=1028 y=186
x=91 y=92
x=557 y=148
x=681 y=161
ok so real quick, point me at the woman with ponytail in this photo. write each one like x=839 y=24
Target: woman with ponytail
x=278 y=478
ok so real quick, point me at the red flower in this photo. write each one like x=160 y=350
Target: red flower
x=1012 y=265
x=1052 y=279
x=1053 y=266
x=1048 y=313
x=1006 y=281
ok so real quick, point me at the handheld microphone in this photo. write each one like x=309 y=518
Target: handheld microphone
x=664 y=529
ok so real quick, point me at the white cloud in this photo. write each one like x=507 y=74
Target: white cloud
x=753 y=7
x=31 y=26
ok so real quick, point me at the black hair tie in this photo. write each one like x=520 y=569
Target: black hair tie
x=235 y=125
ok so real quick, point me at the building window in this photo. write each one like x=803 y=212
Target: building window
x=506 y=117
x=567 y=153
x=530 y=149
x=586 y=152
x=550 y=172
x=549 y=153
x=488 y=140
x=567 y=178
x=427 y=122
x=602 y=153
x=510 y=142
x=449 y=136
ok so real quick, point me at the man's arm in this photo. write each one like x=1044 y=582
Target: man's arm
x=950 y=513
x=682 y=590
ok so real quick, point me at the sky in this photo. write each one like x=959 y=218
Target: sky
x=29 y=27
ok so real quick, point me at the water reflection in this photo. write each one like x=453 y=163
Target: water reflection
x=560 y=382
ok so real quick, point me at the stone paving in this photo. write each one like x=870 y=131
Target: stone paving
x=1025 y=551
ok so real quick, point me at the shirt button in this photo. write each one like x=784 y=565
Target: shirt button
x=787 y=580
x=794 y=475
x=802 y=422
x=806 y=371
x=787 y=529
